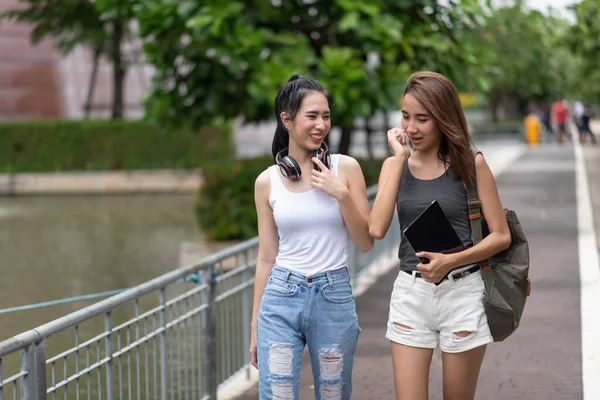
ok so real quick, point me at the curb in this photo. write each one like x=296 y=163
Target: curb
x=114 y=182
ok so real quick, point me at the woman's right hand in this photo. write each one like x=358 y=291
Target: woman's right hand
x=397 y=142
x=253 y=351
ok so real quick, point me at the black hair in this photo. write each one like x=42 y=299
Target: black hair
x=289 y=100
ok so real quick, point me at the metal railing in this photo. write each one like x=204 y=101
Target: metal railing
x=167 y=338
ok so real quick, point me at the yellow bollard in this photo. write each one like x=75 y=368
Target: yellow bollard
x=532 y=130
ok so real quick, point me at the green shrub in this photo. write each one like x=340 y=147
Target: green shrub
x=371 y=170
x=108 y=145
x=225 y=209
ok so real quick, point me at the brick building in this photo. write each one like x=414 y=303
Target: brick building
x=38 y=82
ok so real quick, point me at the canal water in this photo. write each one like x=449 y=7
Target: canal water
x=53 y=247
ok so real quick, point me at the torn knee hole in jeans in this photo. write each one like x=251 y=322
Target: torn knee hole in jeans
x=280 y=359
x=282 y=390
x=331 y=391
x=403 y=328
x=332 y=364
x=280 y=368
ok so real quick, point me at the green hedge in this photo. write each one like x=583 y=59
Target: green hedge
x=108 y=145
x=225 y=208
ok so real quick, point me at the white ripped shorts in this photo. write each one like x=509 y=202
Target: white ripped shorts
x=422 y=314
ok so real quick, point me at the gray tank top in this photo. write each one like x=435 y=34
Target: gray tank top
x=414 y=195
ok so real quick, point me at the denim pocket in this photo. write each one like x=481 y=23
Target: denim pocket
x=340 y=293
x=275 y=287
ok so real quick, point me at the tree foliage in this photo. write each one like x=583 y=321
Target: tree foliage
x=217 y=60
x=223 y=59
x=583 y=38
x=523 y=57
x=99 y=24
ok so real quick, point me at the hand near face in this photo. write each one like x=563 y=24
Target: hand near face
x=326 y=181
x=397 y=142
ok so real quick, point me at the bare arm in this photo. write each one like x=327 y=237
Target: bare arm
x=499 y=237
x=268 y=243
x=385 y=201
x=389 y=182
x=354 y=206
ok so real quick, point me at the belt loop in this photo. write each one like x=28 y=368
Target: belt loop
x=454 y=277
x=330 y=279
x=287 y=275
x=414 y=276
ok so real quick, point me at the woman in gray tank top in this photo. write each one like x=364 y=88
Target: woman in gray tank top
x=437 y=298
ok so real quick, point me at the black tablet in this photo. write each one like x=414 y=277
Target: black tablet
x=431 y=231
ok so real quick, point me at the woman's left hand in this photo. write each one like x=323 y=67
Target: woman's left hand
x=326 y=181
x=437 y=267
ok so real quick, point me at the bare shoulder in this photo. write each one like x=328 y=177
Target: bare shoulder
x=348 y=163
x=262 y=185
x=480 y=163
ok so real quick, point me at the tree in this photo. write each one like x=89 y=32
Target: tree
x=99 y=24
x=523 y=58
x=224 y=59
x=583 y=38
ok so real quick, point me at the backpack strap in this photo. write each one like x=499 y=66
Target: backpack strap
x=474 y=205
x=475 y=214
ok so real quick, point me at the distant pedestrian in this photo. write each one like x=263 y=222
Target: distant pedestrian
x=585 y=129
x=546 y=118
x=560 y=114
x=578 y=110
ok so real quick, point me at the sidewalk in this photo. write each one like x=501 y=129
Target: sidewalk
x=543 y=359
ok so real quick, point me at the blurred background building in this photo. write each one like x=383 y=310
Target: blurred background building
x=37 y=82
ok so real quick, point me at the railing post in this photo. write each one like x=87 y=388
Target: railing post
x=33 y=361
x=110 y=376
x=163 y=344
x=210 y=336
x=246 y=314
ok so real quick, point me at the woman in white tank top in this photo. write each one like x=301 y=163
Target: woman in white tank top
x=308 y=204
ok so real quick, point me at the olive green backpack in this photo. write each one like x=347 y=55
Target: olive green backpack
x=506 y=274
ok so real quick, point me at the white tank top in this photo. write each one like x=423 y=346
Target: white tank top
x=312 y=234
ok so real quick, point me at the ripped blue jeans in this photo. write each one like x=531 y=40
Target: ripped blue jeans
x=296 y=311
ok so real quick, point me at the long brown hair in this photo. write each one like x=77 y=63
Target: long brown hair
x=437 y=94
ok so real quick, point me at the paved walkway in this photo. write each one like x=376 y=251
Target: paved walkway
x=543 y=359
